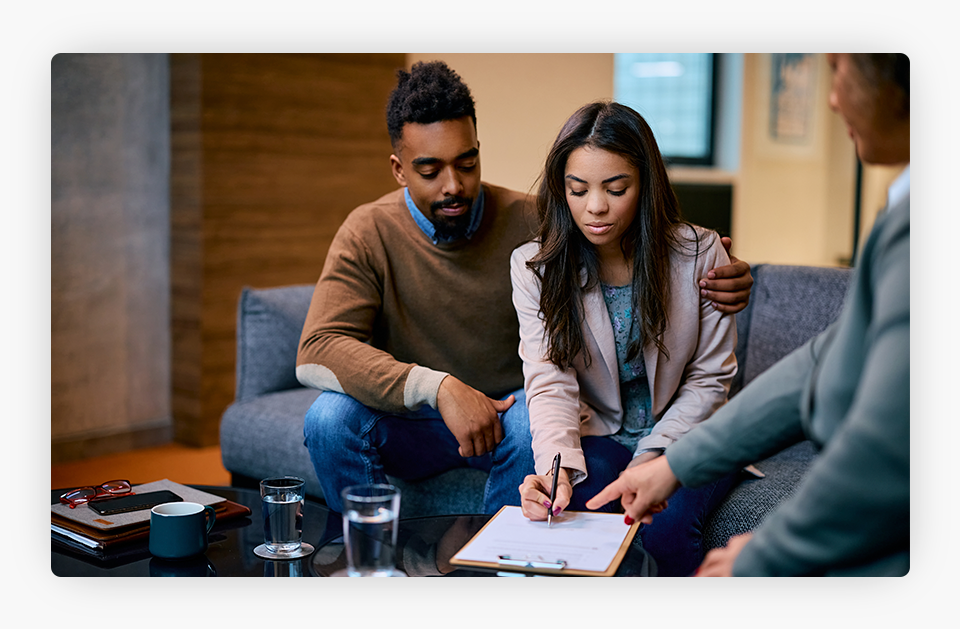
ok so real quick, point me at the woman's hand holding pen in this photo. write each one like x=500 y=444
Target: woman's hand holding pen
x=535 y=495
x=643 y=490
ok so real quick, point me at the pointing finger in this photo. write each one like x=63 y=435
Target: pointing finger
x=608 y=493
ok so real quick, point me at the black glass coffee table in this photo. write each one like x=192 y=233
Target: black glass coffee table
x=425 y=547
x=230 y=552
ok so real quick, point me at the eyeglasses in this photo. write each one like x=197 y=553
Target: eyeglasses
x=109 y=489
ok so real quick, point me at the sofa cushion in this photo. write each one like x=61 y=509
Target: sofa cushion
x=789 y=305
x=263 y=436
x=749 y=502
x=269 y=322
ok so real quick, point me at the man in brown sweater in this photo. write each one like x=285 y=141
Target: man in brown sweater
x=411 y=334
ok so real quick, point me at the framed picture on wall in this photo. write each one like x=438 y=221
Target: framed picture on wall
x=793 y=88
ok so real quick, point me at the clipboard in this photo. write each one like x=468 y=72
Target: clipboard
x=587 y=544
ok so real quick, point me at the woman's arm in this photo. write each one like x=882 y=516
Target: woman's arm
x=710 y=363
x=553 y=396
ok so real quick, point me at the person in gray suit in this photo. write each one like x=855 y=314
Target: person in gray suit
x=847 y=390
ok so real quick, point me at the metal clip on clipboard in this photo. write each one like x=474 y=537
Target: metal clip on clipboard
x=505 y=560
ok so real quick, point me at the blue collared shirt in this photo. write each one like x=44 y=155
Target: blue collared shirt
x=900 y=188
x=427 y=227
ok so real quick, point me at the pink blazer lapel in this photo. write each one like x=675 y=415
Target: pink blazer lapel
x=598 y=325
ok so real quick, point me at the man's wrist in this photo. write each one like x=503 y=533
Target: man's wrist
x=423 y=387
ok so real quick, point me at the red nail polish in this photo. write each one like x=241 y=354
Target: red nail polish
x=627 y=520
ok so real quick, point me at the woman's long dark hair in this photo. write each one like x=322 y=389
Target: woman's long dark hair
x=565 y=251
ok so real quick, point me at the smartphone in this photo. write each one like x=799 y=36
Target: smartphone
x=137 y=502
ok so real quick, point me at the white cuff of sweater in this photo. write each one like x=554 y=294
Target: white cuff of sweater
x=422 y=387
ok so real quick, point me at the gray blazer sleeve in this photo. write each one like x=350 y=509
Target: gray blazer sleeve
x=760 y=421
x=847 y=390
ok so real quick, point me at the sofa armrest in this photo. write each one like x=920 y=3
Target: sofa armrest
x=269 y=323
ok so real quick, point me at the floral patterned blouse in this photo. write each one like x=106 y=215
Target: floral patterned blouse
x=634 y=387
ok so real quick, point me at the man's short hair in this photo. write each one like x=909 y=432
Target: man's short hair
x=430 y=92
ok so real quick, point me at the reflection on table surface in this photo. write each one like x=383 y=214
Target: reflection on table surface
x=426 y=545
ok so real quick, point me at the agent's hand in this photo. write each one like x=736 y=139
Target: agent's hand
x=535 y=495
x=728 y=287
x=471 y=416
x=643 y=490
x=719 y=561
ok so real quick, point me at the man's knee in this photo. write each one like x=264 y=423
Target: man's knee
x=516 y=427
x=331 y=416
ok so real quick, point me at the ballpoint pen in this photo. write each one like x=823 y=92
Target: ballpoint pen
x=553 y=489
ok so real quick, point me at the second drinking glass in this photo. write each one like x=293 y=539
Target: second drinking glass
x=370 y=515
x=282 y=506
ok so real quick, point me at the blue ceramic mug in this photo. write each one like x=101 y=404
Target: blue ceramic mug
x=179 y=529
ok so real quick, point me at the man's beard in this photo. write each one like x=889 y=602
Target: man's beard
x=451 y=227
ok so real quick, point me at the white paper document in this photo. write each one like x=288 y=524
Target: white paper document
x=584 y=540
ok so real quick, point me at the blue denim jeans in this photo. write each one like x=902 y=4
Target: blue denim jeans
x=350 y=444
x=675 y=538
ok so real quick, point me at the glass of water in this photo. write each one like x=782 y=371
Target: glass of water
x=282 y=514
x=370 y=515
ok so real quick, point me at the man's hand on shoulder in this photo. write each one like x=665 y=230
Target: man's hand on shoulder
x=471 y=416
x=728 y=286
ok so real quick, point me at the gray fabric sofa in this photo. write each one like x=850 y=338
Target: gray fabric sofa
x=261 y=432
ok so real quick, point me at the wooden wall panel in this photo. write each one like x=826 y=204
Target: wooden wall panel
x=186 y=237
x=270 y=153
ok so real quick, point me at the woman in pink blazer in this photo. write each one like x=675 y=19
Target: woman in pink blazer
x=621 y=353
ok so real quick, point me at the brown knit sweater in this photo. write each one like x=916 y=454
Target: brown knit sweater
x=393 y=313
